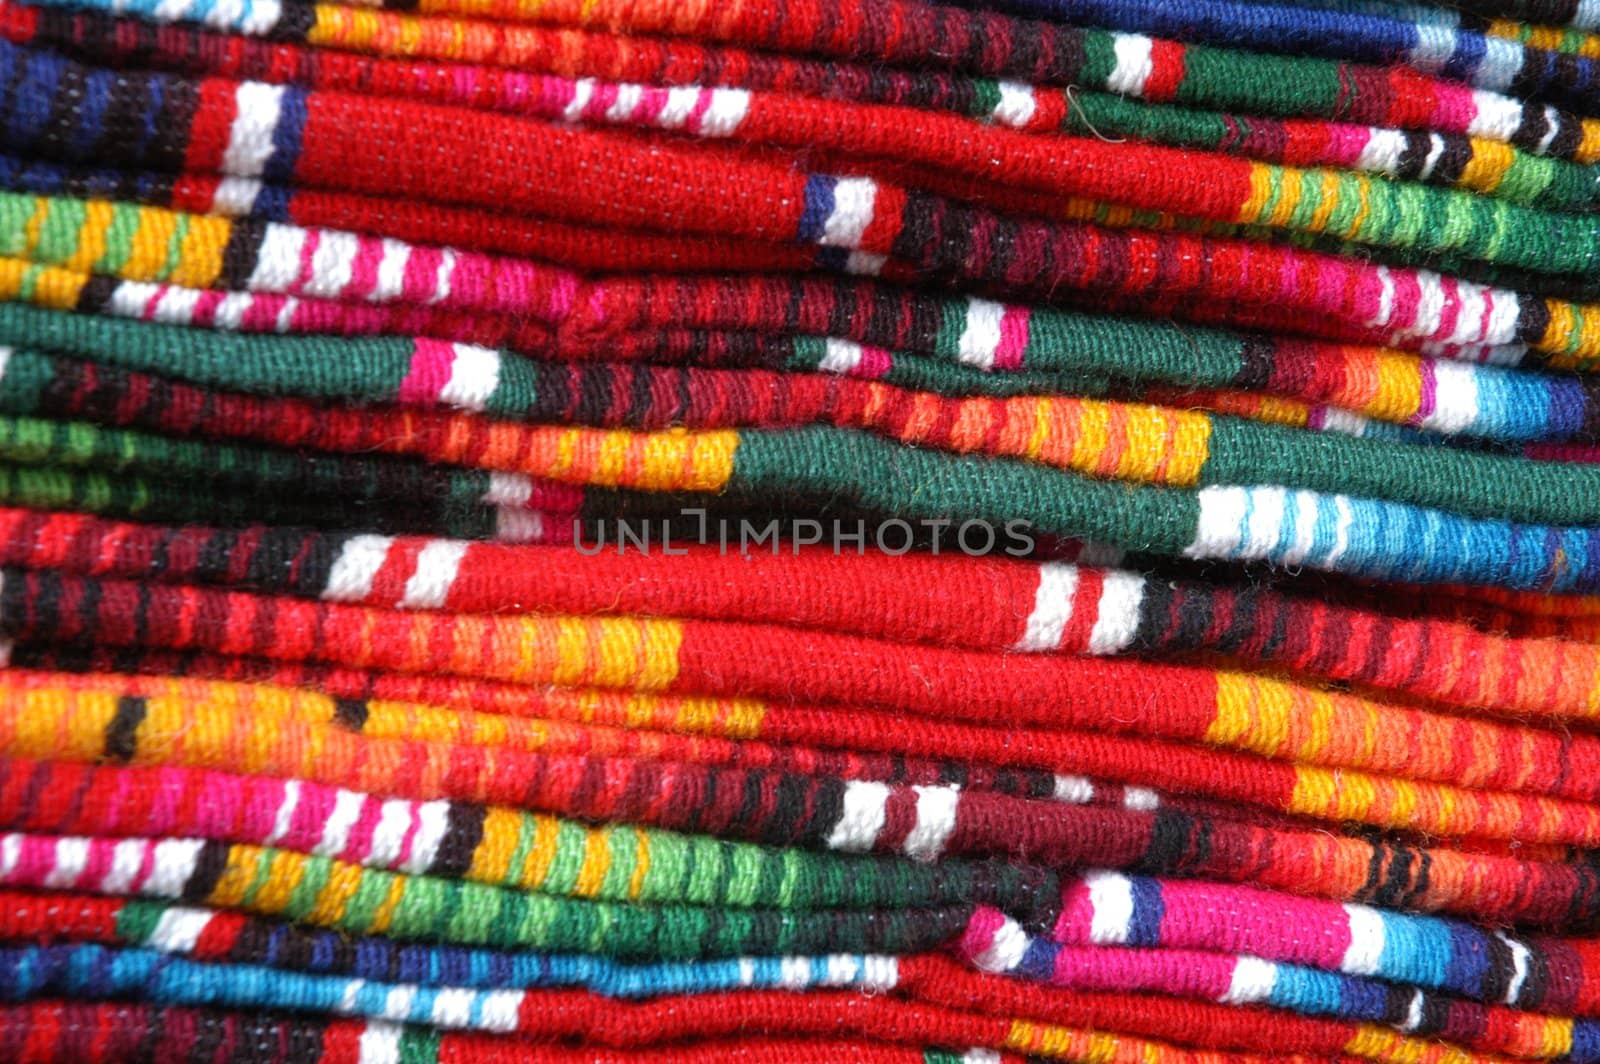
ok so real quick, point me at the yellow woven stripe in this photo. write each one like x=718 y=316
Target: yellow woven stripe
x=1235 y=715
x=45 y=286
x=1129 y=441
x=1276 y=409
x=234 y=882
x=1035 y=435
x=151 y=246
x=1549 y=38
x=742 y=718
x=541 y=854
x=1586 y=338
x=1189 y=448
x=55 y=723
x=641 y=864
x=34 y=227
x=270 y=731
x=491 y=861
x=1572 y=336
x=1048 y=1040
x=1285 y=721
x=385 y=911
x=1328 y=199
x=623 y=653
x=1093 y=435
x=336 y=893
x=1588 y=149
x=634 y=710
x=1490 y=162
x=1288 y=196
x=1364 y=211
x=673 y=460
x=91 y=242
x=348 y=27
x=1260 y=189
x=1398 y=394
x=200 y=257
x=596 y=862
x=1377 y=1043
x=387 y=720
x=284 y=870
x=1557 y=1041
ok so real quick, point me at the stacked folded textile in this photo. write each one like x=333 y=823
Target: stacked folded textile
x=555 y=530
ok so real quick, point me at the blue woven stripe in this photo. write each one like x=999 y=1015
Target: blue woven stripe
x=286 y=136
x=35 y=77
x=819 y=205
x=91 y=970
x=1394 y=541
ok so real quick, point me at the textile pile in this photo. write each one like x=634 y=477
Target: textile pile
x=784 y=530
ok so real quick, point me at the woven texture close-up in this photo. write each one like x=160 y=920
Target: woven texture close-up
x=785 y=531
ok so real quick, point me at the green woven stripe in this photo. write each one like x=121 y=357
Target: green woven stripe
x=433 y=909
x=357 y=369
x=1140 y=349
x=368 y=370
x=420 y=1045
x=1257 y=83
x=889 y=478
x=1242 y=452
x=59 y=229
x=920 y=374
x=892 y=478
x=14 y=217
x=1465 y=482
x=1470 y=483
x=138 y=498
x=1070 y=348
x=30 y=441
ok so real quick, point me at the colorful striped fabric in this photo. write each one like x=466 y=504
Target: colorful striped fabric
x=1049 y=607
x=1477 y=161
x=968 y=355
x=863 y=219
x=998 y=944
x=1307 y=728
x=1101 y=439
x=1544 y=975
x=839 y=802
x=942 y=531
x=1459 y=53
x=1123 y=63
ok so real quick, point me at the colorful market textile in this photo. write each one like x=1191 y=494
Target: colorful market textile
x=1477 y=160
x=1054 y=606
x=856 y=530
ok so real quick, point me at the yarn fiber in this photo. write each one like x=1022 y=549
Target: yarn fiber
x=943 y=531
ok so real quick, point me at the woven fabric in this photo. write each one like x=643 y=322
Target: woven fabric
x=942 y=531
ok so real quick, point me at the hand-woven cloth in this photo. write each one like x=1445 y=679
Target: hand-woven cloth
x=943 y=531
